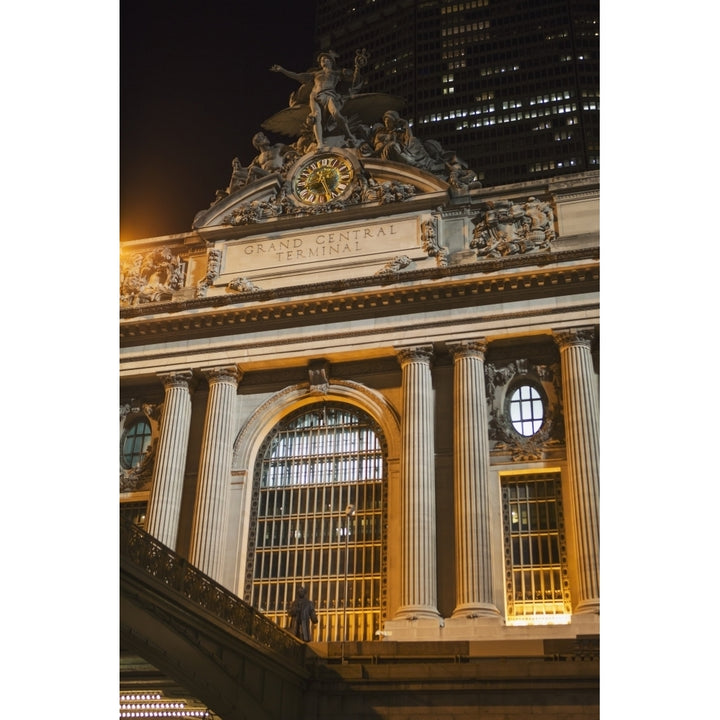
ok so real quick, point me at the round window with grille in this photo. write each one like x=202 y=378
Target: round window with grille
x=526 y=409
x=134 y=444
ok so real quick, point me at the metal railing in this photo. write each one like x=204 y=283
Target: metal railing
x=163 y=564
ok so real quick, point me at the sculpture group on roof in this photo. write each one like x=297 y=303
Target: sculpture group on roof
x=328 y=110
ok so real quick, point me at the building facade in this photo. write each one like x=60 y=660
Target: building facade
x=364 y=374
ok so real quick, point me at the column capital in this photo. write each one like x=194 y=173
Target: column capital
x=414 y=353
x=468 y=348
x=177 y=378
x=574 y=337
x=227 y=373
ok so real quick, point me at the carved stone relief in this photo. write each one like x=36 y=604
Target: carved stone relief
x=242 y=285
x=151 y=277
x=318 y=377
x=501 y=381
x=504 y=227
x=430 y=242
x=395 y=265
x=366 y=190
x=213 y=269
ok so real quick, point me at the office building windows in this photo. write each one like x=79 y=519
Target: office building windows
x=513 y=53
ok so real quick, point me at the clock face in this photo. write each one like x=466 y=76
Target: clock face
x=322 y=179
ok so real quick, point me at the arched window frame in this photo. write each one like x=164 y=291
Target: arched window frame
x=361 y=618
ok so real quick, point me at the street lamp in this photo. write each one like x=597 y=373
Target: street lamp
x=349 y=512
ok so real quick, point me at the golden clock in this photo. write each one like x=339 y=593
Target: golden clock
x=322 y=179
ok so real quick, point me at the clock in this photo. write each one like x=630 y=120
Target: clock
x=323 y=178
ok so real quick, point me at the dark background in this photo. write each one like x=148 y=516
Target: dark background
x=195 y=86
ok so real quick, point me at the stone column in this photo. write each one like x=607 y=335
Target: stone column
x=473 y=556
x=163 y=514
x=417 y=477
x=209 y=521
x=582 y=438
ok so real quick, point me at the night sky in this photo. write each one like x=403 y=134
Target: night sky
x=195 y=86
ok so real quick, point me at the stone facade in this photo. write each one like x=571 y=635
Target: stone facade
x=361 y=320
x=405 y=290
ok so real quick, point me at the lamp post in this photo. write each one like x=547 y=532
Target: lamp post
x=349 y=512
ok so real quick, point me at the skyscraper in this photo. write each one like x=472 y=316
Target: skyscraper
x=511 y=85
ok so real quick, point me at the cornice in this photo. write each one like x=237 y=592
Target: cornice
x=371 y=281
x=525 y=277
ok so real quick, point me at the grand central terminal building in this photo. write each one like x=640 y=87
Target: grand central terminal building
x=364 y=374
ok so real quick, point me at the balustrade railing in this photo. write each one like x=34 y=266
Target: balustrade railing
x=162 y=563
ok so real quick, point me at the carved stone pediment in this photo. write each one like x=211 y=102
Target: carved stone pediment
x=374 y=183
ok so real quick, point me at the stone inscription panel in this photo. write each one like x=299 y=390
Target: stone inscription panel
x=320 y=250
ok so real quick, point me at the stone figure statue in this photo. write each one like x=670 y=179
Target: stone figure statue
x=302 y=613
x=238 y=179
x=394 y=140
x=460 y=176
x=330 y=111
x=325 y=99
x=270 y=159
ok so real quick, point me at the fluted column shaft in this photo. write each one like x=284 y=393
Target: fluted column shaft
x=210 y=519
x=417 y=474
x=582 y=439
x=163 y=514
x=473 y=556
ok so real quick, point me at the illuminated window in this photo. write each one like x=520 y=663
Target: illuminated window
x=536 y=579
x=133 y=512
x=134 y=444
x=526 y=410
x=313 y=465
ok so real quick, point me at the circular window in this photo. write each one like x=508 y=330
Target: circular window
x=526 y=410
x=135 y=443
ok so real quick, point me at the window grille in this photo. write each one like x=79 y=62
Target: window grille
x=313 y=465
x=135 y=441
x=536 y=579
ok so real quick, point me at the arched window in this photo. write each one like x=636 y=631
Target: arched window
x=314 y=465
x=134 y=443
